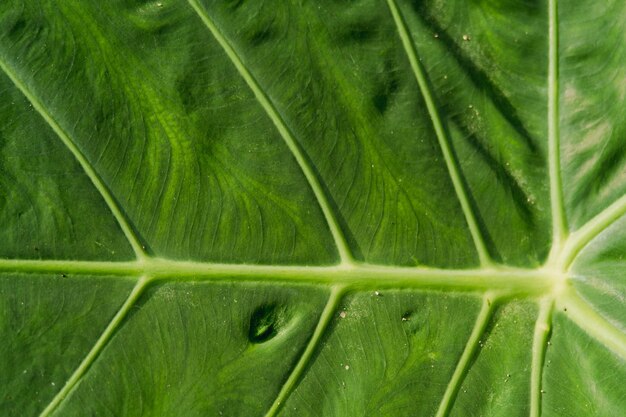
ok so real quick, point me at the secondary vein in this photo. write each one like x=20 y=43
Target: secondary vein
x=82 y=160
x=324 y=320
x=285 y=132
x=592 y=323
x=540 y=343
x=97 y=347
x=464 y=363
x=441 y=133
x=583 y=236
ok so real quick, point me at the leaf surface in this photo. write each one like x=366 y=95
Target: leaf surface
x=307 y=208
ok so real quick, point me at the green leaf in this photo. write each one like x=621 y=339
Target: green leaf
x=312 y=208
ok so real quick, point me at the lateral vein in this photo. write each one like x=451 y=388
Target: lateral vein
x=97 y=347
x=540 y=343
x=293 y=379
x=441 y=133
x=285 y=132
x=578 y=240
x=592 y=323
x=82 y=160
x=482 y=320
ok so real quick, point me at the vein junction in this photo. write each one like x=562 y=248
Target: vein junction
x=549 y=282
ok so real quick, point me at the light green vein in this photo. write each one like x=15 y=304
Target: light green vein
x=559 y=220
x=540 y=343
x=285 y=132
x=592 y=323
x=463 y=365
x=583 y=236
x=97 y=347
x=82 y=160
x=521 y=282
x=325 y=319
x=442 y=136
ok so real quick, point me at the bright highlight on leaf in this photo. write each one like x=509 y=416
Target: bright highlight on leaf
x=312 y=208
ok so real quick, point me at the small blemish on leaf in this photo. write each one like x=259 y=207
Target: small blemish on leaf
x=265 y=323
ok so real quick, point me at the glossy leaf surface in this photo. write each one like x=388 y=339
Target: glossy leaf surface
x=312 y=208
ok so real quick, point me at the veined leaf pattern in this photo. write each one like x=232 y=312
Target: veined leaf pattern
x=306 y=208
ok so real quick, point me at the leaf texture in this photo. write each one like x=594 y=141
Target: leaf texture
x=312 y=208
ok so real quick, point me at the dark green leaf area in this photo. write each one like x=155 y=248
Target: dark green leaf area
x=593 y=85
x=361 y=121
x=498 y=378
x=582 y=378
x=170 y=128
x=49 y=209
x=377 y=360
x=209 y=349
x=48 y=324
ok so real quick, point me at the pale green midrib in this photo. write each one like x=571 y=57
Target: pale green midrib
x=583 y=236
x=265 y=102
x=82 y=160
x=525 y=281
x=97 y=347
x=559 y=218
x=442 y=137
x=323 y=322
x=482 y=320
x=540 y=343
x=592 y=323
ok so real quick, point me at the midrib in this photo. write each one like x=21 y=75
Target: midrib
x=514 y=280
